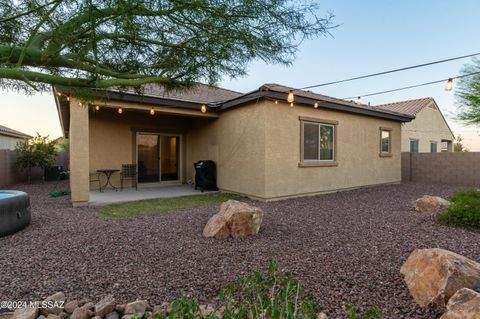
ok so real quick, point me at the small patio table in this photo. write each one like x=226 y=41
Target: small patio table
x=108 y=173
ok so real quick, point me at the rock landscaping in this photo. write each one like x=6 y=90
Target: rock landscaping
x=434 y=275
x=464 y=304
x=235 y=219
x=345 y=247
x=431 y=204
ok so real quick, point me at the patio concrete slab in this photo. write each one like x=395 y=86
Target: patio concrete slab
x=111 y=196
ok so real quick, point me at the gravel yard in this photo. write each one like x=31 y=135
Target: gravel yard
x=345 y=247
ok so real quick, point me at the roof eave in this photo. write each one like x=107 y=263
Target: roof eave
x=306 y=100
x=138 y=98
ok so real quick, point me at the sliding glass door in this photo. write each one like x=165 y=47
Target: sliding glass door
x=158 y=157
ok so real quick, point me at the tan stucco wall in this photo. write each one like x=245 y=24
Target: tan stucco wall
x=236 y=142
x=8 y=142
x=427 y=126
x=256 y=148
x=357 y=151
x=112 y=137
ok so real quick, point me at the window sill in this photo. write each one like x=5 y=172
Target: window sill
x=318 y=164
x=385 y=154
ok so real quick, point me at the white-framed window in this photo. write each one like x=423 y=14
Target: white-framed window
x=385 y=141
x=414 y=146
x=318 y=142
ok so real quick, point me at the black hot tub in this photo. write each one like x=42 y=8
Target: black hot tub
x=14 y=211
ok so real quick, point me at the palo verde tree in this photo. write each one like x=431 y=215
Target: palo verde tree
x=468 y=94
x=128 y=43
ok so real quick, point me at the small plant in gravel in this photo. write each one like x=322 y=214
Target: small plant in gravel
x=464 y=210
x=273 y=294
x=372 y=313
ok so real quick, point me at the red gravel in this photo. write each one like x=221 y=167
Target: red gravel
x=346 y=247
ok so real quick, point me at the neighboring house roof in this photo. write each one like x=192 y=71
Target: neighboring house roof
x=413 y=107
x=6 y=131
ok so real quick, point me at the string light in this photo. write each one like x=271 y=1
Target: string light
x=276 y=101
x=59 y=93
x=68 y=98
x=416 y=85
x=97 y=107
x=291 y=104
x=120 y=110
x=390 y=71
x=315 y=105
x=203 y=108
x=449 y=85
x=152 y=111
x=359 y=100
x=290 y=97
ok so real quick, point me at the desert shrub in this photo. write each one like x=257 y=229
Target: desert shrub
x=272 y=294
x=37 y=151
x=464 y=210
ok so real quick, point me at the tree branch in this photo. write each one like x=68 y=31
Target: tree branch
x=31 y=76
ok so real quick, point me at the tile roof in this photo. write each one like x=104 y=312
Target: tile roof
x=200 y=93
x=411 y=107
x=315 y=96
x=11 y=132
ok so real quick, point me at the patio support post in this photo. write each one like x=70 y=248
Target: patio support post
x=79 y=154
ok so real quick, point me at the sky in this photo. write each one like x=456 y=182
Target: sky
x=372 y=36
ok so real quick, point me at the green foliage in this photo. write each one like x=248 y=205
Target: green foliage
x=63 y=145
x=468 y=94
x=129 y=43
x=273 y=294
x=458 y=145
x=36 y=151
x=160 y=205
x=372 y=313
x=464 y=210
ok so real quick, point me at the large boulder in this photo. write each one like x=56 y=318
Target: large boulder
x=105 y=306
x=81 y=313
x=54 y=304
x=25 y=313
x=433 y=276
x=234 y=219
x=136 y=308
x=465 y=304
x=431 y=204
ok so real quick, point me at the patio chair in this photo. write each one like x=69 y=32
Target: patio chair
x=129 y=172
x=95 y=178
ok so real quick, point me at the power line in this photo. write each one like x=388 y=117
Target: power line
x=389 y=71
x=412 y=86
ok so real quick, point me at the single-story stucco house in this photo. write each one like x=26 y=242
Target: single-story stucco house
x=428 y=132
x=9 y=138
x=264 y=146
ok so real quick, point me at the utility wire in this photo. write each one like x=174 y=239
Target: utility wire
x=389 y=71
x=412 y=86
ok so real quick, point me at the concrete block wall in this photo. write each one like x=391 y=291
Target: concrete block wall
x=460 y=168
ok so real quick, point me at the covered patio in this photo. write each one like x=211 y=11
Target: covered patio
x=110 y=196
